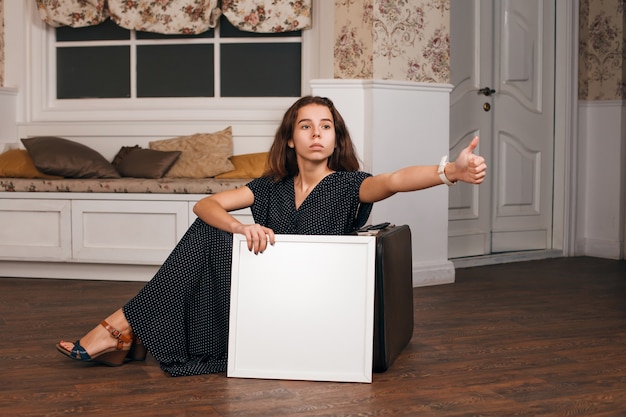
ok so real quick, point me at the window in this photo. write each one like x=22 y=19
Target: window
x=110 y=62
x=35 y=45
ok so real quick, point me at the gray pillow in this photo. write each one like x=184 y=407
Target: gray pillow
x=66 y=158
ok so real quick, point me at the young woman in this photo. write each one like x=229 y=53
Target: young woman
x=313 y=186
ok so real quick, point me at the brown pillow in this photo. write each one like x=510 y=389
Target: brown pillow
x=251 y=165
x=124 y=150
x=202 y=155
x=146 y=163
x=63 y=157
x=17 y=163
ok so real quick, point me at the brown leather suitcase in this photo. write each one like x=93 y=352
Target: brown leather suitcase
x=393 y=295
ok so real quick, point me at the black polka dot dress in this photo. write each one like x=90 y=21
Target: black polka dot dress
x=182 y=314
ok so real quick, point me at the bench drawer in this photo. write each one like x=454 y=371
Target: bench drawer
x=136 y=232
x=38 y=231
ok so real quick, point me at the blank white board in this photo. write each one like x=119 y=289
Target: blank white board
x=303 y=309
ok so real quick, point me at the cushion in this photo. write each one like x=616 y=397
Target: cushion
x=146 y=163
x=58 y=156
x=17 y=163
x=202 y=155
x=251 y=165
x=124 y=150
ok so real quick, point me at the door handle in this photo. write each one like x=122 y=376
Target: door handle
x=487 y=91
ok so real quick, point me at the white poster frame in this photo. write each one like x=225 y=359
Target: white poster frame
x=303 y=309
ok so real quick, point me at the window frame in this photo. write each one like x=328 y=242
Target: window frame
x=134 y=44
x=44 y=106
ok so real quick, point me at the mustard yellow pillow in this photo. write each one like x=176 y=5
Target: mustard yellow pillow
x=17 y=163
x=202 y=155
x=251 y=165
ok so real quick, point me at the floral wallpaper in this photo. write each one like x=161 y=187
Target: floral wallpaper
x=354 y=43
x=602 y=50
x=1 y=43
x=409 y=40
x=404 y=40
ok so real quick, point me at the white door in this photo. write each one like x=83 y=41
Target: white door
x=502 y=69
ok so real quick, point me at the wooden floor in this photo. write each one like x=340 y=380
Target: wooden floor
x=536 y=338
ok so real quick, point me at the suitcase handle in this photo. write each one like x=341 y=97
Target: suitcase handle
x=373 y=229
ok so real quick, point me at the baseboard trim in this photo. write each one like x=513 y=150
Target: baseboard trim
x=502 y=258
x=62 y=270
x=602 y=248
x=426 y=274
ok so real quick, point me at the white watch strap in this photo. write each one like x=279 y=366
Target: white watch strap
x=441 y=171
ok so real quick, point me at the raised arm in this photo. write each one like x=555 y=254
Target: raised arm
x=468 y=167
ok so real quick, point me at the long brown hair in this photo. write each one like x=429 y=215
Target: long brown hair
x=282 y=161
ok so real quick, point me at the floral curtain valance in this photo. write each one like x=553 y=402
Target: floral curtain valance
x=72 y=13
x=179 y=16
x=268 y=16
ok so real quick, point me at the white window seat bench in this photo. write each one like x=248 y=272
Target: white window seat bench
x=109 y=229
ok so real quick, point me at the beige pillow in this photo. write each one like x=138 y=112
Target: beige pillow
x=202 y=155
x=251 y=165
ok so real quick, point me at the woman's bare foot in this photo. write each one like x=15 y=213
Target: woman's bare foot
x=99 y=338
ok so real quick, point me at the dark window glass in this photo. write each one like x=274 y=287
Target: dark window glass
x=175 y=71
x=100 y=72
x=181 y=70
x=260 y=70
x=227 y=30
x=149 y=35
x=106 y=30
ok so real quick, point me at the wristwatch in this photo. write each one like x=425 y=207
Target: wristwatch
x=441 y=171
